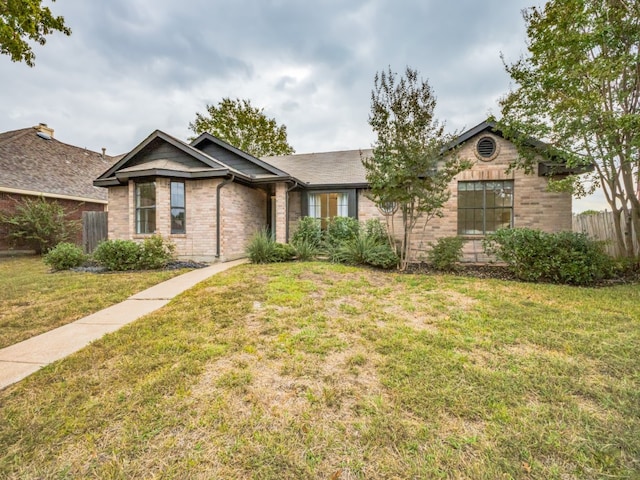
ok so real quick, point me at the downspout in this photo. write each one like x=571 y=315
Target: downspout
x=218 y=188
x=286 y=211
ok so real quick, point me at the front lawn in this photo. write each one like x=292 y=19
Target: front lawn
x=33 y=301
x=313 y=370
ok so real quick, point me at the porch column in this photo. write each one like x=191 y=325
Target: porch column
x=281 y=212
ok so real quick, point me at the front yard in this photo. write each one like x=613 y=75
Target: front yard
x=33 y=301
x=312 y=370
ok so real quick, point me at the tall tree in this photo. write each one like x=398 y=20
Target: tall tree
x=407 y=169
x=579 y=90
x=245 y=127
x=23 y=20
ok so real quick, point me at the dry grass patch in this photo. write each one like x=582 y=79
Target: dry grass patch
x=324 y=371
x=33 y=300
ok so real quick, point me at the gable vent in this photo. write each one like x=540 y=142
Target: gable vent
x=486 y=147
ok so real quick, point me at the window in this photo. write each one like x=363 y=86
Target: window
x=178 y=213
x=146 y=207
x=484 y=207
x=328 y=205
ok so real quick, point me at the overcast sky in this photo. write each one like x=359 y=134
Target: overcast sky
x=133 y=66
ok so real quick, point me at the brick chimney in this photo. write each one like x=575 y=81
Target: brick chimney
x=43 y=128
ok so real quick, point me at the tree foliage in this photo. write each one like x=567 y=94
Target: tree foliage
x=579 y=90
x=23 y=20
x=244 y=126
x=39 y=223
x=407 y=168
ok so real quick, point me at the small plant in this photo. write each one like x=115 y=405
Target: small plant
x=156 y=253
x=305 y=250
x=118 y=255
x=365 y=250
x=564 y=257
x=65 y=256
x=39 y=223
x=445 y=255
x=309 y=231
x=260 y=248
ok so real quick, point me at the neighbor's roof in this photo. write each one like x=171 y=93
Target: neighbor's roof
x=320 y=169
x=35 y=165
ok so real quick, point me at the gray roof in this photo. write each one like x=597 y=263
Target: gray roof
x=49 y=167
x=329 y=168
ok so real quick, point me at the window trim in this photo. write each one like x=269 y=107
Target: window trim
x=183 y=208
x=484 y=207
x=139 y=208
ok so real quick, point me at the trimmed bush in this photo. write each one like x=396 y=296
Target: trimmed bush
x=64 y=256
x=374 y=228
x=283 y=252
x=118 y=255
x=445 y=255
x=309 y=231
x=564 y=257
x=156 y=253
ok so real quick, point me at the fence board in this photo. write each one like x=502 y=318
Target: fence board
x=600 y=226
x=94 y=230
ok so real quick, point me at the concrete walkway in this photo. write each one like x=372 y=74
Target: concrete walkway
x=22 y=359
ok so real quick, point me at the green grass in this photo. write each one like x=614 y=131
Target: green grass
x=33 y=300
x=314 y=370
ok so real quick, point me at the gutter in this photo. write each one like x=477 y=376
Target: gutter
x=286 y=211
x=218 y=188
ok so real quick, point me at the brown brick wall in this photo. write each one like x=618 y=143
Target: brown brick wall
x=243 y=212
x=73 y=208
x=534 y=207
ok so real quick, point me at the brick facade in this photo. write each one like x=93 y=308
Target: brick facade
x=242 y=212
x=533 y=205
x=74 y=209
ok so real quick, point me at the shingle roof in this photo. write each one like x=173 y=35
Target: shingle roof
x=330 y=168
x=47 y=166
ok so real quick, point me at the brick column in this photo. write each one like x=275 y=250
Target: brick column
x=281 y=212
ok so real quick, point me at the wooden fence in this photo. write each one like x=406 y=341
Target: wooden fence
x=600 y=226
x=94 y=230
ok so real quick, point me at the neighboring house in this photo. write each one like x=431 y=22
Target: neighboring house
x=34 y=164
x=210 y=198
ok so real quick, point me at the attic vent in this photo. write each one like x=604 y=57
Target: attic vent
x=486 y=149
x=43 y=135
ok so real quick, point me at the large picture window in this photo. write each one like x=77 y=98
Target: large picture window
x=146 y=207
x=178 y=208
x=484 y=207
x=328 y=205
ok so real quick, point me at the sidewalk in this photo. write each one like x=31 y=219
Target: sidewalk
x=22 y=359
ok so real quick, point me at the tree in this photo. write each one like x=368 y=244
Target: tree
x=39 y=223
x=22 y=20
x=579 y=90
x=245 y=127
x=407 y=168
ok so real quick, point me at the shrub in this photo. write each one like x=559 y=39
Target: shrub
x=156 y=252
x=118 y=255
x=564 y=257
x=39 y=223
x=305 y=250
x=260 y=248
x=446 y=253
x=283 y=252
x=374 y=228
x=65 y=256
x=309 y=231
x=340 y=230
x=365 y=250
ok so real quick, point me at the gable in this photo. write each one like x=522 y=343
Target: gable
x=232 y=159
x=159 y=150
